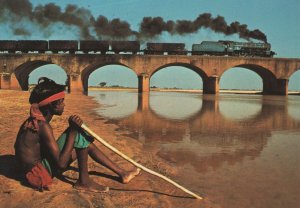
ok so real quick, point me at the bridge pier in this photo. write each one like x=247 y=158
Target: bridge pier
x=275 y=87
x=211 y=85
x=9 y=81
x=5 y=81
x=14 y=83
x=75 y=84
x=282 y=86
x=143 y=101
x=144 y=83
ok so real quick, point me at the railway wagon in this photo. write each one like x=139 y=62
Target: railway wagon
x=95 y=46
x=169 y=48
x=26 y=46
x=209 y=48
x=9 y=46
x=125 y=46
x=70 y=46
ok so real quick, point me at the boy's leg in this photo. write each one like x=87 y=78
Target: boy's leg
x=98 y=156
x=85 y=182
x=61 y=141
x=83 y=141
x=48 y=164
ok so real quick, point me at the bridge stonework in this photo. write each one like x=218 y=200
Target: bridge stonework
x=275 y=72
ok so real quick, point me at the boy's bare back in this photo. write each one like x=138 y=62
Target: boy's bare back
x=27 y=148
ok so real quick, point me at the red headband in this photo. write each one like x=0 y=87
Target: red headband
x=36 y=114
x=52 y=98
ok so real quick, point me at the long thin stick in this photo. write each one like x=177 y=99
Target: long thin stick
x=84 y=127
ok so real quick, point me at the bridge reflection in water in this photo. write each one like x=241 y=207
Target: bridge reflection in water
x=246 y=146
x=237 y=127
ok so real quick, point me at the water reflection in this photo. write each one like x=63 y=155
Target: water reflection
x=234 y=141
x=115 y=104
x=246 y=108
x=175 y=106
x=225 y=126
x=294 y=108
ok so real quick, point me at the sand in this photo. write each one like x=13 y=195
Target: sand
x=143 y=191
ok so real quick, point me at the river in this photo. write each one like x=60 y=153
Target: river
x=236 y=150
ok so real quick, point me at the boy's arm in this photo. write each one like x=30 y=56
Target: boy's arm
x=47 y=137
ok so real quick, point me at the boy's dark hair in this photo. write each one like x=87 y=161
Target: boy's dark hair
x=44 y=89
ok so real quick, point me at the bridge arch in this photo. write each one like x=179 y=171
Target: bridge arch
x=194 y=68
x=86 y=72
x=294 y=84
x=240 y=79
x=22 y=72
x=187 y=66
x=270 y=84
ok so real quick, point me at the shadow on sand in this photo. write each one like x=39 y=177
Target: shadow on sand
x=10 y=169
x=69 y=180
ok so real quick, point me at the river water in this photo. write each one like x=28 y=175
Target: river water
x=236 y=150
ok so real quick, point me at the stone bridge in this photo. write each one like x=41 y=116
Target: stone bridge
x=275 y=72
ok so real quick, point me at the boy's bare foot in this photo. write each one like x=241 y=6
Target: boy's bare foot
x=130 y=175
x=91 y=186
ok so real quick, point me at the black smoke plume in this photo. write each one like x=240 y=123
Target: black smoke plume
x=151 y=27
x=12 y=12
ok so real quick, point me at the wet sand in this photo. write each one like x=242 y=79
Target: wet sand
x=144 y=191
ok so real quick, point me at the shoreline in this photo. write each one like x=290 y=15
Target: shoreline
x=222 y=91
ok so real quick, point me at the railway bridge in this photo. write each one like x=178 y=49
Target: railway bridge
x=275 y=72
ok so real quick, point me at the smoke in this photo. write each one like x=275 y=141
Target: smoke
x=151 y=27
x=91 y=27
x=21 y=31
x=114 y=28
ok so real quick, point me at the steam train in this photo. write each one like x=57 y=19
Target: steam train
x=231 y=48
x=210 y=48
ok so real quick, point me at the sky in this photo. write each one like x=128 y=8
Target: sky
x=276 y=20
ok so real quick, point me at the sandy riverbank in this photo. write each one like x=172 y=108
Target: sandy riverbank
x=144 y=191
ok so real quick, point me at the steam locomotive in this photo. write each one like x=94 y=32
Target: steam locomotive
x=231 y=48
x=210 y=48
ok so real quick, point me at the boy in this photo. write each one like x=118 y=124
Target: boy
x=41 y=156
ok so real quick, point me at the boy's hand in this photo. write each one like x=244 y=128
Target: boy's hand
x=75 y=121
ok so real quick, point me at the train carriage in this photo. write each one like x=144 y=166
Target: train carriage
x=57 y=46
x=169 y=48
x=8 y=46
x=125 y=46
x=26 y=46
x=94 y=46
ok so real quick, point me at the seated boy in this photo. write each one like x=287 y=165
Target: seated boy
x=41 y=156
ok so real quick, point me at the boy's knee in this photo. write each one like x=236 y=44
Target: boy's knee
x=82 y=140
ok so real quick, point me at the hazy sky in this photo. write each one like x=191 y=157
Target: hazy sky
x=277 y=19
